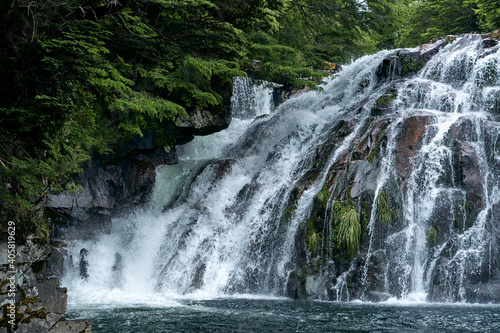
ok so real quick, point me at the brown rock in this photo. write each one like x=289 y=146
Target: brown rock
x=408 y=141
x=495 y=34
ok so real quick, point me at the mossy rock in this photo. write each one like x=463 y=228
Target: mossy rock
x=382 y=105
x=431 y=237
x=411 y=64
x=381 y=142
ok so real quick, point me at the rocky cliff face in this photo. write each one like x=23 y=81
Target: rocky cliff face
x=422 y=179
x=109 y=187
x=387 y=185
x=40 y=302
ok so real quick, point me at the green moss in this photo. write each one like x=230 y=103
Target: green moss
x=365 y=218
x=292 y=204
x=289 y=213
x=431 y=237
x=371 y=156
x=410 y=66
x=384 y=101
x=42 y=235
x=323 y=195
x=472 y=207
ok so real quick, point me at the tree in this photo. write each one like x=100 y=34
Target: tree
x=488 y=12
x=435 y=18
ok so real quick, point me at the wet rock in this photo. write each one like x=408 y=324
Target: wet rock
x=40 y=302
x=201 y=122
x=408 y=142
x=31 y=251
x=464 y=129
x=72 y=326
x=382 y=106
x=117 y=271
x=375 y=274
x=448 y=215
x=470 y=169
x=198 y=276
x=282 y=93
x=83 y=266
x=489 y=42
x=377 y=296
x=406 y=63
x=365 y=179
x=51 y=295
x=106 y=190
x=55 y=262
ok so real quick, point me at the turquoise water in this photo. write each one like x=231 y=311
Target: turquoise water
x=283 y=315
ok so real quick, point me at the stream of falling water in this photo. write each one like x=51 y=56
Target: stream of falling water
x=451 y=89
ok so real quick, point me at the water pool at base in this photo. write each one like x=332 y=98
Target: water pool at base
x=283 y=315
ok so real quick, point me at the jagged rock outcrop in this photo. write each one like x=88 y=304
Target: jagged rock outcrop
x=282 y=93
x=109 y=186
x=208 y=120
x=40 y=302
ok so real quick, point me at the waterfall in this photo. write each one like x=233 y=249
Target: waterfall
x=441 y=248
x=409 y=144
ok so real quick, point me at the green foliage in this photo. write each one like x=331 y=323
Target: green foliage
x=313 y=32
x=76 y=79
x=488 y=13
x=323 y=195
x=434 y=18
x=347 y=227
x=385 y=213
x=314 y=243
x=431 y=237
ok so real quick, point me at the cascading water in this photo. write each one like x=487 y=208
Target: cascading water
x=255 y=209
x=443 y=245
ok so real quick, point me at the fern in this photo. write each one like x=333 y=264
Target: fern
x=314 y=241
x=348 y=229
x=385 y=213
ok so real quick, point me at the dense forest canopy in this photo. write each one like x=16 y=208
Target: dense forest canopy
x=78 y=76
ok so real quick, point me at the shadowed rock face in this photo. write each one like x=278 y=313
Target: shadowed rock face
x=207 y=120
x=107 y=189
